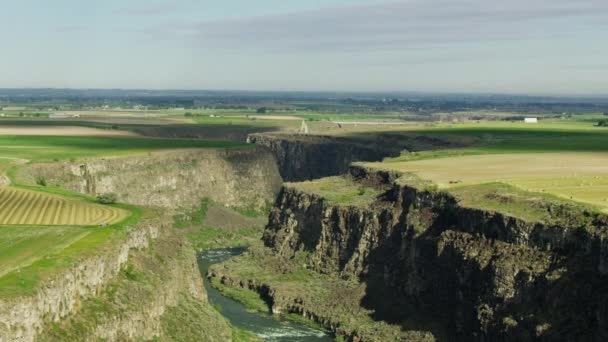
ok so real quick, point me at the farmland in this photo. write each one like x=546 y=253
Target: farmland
x=27 y=207
x=568 y=160
x=49 y=148
x=44 y=229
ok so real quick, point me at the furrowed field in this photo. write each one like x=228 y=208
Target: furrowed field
x=36 y=208
x=44 y=229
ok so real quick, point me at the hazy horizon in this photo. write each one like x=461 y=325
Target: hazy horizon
x=539 y=47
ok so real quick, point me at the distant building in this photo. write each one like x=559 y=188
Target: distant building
x=531 y=120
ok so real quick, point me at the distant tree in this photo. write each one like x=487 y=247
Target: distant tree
x=107 y=198
x=188 y=114
x=262 y=110
x=605 y=113
x=602 y=123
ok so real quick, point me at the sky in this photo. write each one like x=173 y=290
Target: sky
x=489 y=46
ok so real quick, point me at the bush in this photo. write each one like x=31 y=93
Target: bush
x=602 y=123
x=41 y=181
x=107 y=198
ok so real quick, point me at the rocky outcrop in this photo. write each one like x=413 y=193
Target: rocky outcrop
x=306 y=157
x=245 y=177
x=481 y=275
x=158 y=295
x=23 y=317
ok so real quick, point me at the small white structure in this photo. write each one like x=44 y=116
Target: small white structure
x=531 y=120
x=304 y=128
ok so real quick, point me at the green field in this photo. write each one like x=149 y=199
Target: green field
x=49 y=148
x=339 y=190
x=21 y=246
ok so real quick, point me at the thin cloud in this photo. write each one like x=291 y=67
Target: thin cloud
x=393 y=25
x=160 y=9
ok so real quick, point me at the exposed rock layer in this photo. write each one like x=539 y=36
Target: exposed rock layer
x=245 y=177
x=482 y=275
x=22 y=318
x=306 y=157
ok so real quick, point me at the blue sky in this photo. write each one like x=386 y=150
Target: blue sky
x=515 y=46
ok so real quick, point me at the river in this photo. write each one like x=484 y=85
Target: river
x=264 y=325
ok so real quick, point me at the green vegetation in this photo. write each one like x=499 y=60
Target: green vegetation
x=194 y=217
x=209 y=238
x=504 y=138
x=152 y=277
x=339 y=190
x=530 y=206
x=21 y=246
x=52 y=148
x=250 y=299
x=335 y=300
x=107 y=198
x=203 y=235
x=195 y=320
x=48 y=250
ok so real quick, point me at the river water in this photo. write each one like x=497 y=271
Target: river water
x=263 y=325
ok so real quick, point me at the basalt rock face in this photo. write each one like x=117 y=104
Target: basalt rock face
x=245 y=177
x=481 y=275
x=306 y=157
x=22 y=318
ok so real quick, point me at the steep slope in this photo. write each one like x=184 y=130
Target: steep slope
x=144 y=285
x=305 y=157
x=238 y=178
x=429 y=264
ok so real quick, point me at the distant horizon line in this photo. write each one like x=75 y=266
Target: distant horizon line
x=353 y=92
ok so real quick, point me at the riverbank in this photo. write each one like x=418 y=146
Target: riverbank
x=255 y=322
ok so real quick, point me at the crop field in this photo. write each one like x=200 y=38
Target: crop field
x=24 y=207
x=581 y=177
x=50 y=148
x=60 y=131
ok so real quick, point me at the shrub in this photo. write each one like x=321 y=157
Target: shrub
x=41 y=181
x=107 y=198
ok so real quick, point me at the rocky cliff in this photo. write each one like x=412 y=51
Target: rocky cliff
x=306 y=157
x=481 y=275
x=22 y=318
x=157 y=295
x=245 y=177
x=144 y=285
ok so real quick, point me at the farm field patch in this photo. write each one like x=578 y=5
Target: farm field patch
x=20 y=246
x=60 y=131
x=50 y=148
x=580 y=177
x=24 y=207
